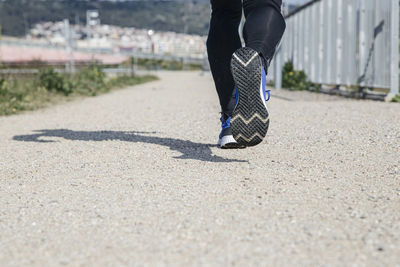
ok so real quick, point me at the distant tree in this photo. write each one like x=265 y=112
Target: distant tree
x=18 y=15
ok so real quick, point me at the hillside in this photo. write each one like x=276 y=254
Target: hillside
x=191 y=16
x=17 y=16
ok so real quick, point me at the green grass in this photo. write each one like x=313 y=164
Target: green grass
x=19 y=94
x=155 y=64
x=294 y=80
x=396 y=98
x=22 y=93
x=126 y=80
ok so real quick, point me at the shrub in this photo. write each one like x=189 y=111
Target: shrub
x=91 y=80
x=154 y=64
x=54 y=81
x=15 y=95
x=127 y=80
x=294 y=80
x=3 y=87
x=31 y=92
x=396 y=98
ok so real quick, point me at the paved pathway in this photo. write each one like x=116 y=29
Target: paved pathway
x=134 y=178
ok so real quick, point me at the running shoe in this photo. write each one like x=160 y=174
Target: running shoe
x=250 y=118
x=226 y=139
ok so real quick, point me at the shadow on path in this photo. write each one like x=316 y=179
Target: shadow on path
x=189 y=149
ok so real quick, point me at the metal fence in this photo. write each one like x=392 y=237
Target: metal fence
x=343 y=43
x=189 y=59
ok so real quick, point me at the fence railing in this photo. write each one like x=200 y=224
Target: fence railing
x=195 y=59
x=343 y=43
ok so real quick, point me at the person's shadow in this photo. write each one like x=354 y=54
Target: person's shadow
x=188 y=149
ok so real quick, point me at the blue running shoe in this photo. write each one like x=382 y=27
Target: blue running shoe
x=226 y=139
x=250 y=118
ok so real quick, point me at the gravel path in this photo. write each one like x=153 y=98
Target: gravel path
x=134 y=178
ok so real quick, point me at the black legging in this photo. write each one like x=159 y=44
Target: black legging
x=262 y=32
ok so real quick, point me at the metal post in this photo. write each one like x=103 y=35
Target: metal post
x=307 y=41
x=1 y=56
x=285 y=8
x=68 y=45
x=296 y=33
x=339 y=43
x=135 y=67
x=67 y=48
x=363 y=50
x=301 y=29
x=350 y=58
x=330 y=24
x=321 y=48
x=314 y=41
x=132 y=60
x=394 y=65
x=278 y=69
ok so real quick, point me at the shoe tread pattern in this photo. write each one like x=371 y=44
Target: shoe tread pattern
x=250 y=119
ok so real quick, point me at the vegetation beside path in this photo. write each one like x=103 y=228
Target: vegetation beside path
x=20 y=93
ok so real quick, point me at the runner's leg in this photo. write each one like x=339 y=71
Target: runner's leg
x=264 y=26
x=262 y=32
x=223 y=40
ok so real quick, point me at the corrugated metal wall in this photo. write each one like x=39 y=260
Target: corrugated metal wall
x=340 y=42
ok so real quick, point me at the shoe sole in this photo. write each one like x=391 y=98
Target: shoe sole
x=229 y=142
x=250 y=118
x=233 y=146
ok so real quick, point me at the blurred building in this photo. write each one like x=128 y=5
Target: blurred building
x=118 y=39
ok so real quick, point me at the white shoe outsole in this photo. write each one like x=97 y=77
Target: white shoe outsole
x=228 y=142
